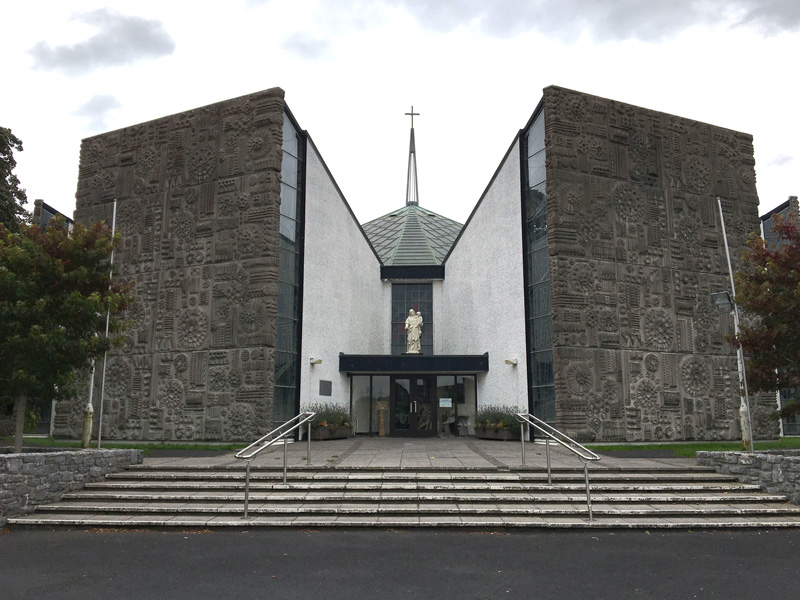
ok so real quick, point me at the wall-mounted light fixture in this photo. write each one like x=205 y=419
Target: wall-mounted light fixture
x=723 y=301
x=316 y=361
x=511 y=361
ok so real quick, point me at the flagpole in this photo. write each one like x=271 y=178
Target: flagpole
x=108 y=318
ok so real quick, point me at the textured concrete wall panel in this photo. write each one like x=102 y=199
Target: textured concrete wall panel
x=636 y=249
x=199 y=207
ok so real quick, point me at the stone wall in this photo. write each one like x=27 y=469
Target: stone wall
x=199 y=207
x=636 y=248
x=774 y=471
x=40 y=477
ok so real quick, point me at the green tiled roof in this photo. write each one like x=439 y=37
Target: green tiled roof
x=412 y=236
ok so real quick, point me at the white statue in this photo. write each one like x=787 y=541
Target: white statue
x=413 y=332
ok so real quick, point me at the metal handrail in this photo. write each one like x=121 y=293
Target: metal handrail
x=280 y=434
x=551 y=433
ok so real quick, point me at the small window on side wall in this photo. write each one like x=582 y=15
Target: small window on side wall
x=325 y=388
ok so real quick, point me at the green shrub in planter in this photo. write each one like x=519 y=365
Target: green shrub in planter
x=329 y=415
x=498 y=417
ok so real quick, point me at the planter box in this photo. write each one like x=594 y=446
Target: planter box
x=496 y=434
x=331 y=433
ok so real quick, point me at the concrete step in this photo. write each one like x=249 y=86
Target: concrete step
x=321 y=476
x=389 y=521
x=563 y=509
x=578 y=467
x=347 y=486
x=292 y=496
x=213 y=496
x=405 y=471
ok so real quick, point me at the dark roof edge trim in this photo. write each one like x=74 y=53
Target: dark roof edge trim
x=778 y=209
x=341 y=195
x=485 y=191
x=539 y=108
x=412 y=272
x=55 y=212
x=516 y=139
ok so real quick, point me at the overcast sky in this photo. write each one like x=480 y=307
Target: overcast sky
x=474 y=69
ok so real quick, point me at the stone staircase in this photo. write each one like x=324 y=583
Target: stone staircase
x=213 y=496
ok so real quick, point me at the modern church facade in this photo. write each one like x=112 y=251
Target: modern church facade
x=579 y=288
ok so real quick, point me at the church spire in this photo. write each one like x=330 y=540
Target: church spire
x=412 y=190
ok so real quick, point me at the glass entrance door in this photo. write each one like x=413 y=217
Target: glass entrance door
x=413 y=413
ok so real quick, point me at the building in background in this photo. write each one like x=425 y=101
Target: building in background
x=43 y=212
x=578 y=289
x=791 y=425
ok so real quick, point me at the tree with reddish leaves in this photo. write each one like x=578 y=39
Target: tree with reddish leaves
x=55 y=290
x=768 y=291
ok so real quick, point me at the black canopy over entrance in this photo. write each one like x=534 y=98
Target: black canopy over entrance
x=365 y=364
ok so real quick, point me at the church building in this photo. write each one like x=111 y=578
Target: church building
x=579 y=289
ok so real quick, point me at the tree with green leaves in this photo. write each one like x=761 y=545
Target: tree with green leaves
x=55 y=290
x=768 y=291
x=12 y=197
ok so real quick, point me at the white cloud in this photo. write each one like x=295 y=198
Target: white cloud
x=603 y=19
x=306 y=46
x=120 y=40
x=780 y=160
x=96 y=110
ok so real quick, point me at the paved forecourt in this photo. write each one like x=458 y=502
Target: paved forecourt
x=399 y=453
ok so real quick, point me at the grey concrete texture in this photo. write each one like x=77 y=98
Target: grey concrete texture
x=635 y=248
x=346 y=564
x=198 y=203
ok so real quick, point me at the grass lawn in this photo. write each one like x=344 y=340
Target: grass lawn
x=688 y=449
x=147 y=447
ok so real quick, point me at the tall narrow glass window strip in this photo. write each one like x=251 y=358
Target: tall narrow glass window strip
x=287 y=345
x=406 y=296
x=537 y=276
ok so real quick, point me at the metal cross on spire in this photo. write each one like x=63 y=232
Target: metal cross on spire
x=412 y=114
x=412 y=189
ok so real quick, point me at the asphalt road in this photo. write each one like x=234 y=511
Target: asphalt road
x=386 y=564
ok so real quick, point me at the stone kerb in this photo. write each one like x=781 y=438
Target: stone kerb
x=774 y=471
x=31 y=478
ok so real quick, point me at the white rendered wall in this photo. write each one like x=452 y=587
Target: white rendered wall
x=483 y=303
x=343 y=296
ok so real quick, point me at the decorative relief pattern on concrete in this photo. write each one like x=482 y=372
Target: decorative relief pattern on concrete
x=635 y=251
x=199 y=207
